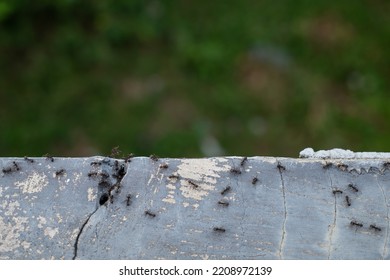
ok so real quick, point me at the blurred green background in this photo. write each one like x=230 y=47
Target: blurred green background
x=193 y=78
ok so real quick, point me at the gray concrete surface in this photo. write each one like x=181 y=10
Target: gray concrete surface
x=208 y=208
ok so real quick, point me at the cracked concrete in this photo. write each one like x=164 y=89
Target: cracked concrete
x=209 y=208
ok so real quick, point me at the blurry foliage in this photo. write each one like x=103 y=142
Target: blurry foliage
x=260 y=77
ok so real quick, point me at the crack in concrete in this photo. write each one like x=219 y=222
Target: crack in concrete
x=285 y=212
x=384 y=253
x=119 y=174
x=76 y=244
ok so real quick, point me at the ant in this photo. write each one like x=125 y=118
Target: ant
x=374 y=227
x=104 y=183
x=348 y=200
x=219 y=229
x=226 y=190
x=115 y=152
x=92 y=174
x=352 y=187
x=94 y=163
x=60 y=172
x=128 y=157
x=15 y=167
x=337 y=191
x=223 y=203
x=327 y=165
x=173 y=176
x=164 y=166
x=342 y=166
x=386 y=164
x=354 y=223
x=281 y=167
x=193 y=184
x=7 y=170
x=235 y=171
x=28 y=159
x=49 y=157
x=154 y=157
x=120 y=172
x=128 y=199
x=254 y=180
x=243 y=161
x=151 y=214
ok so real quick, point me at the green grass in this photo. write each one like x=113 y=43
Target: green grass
x=261 y=77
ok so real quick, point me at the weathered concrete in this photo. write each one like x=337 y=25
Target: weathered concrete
x=209 y=208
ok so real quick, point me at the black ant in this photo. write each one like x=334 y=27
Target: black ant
x=92 y=174
x=193 y=184
x=173 y=176
x=354 y=223
x=60 y=172
x=104 y=183
x=128 y=157
x=235 y=171
x=164 y=166
x=226 y=190
x=15 y=167
x=120 y=172
x=348 y=200
x=128 y=199
x=243 y=161
x=94 y=163
x=219 y=229
x=28 y=159
x=151 y=214
x=7 y=170
x=154 y=157
x=115 y=152
x=327 y=165
x=281 y=167
x=254 y=180
x=386 y=165
x=374 y=227
x=49 y=157
x=342 y=166
x=352 y=187
x=337 y=191
x=223 y=203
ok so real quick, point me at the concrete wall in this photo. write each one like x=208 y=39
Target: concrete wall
x=208 y=208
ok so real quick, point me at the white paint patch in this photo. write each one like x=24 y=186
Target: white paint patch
x=11 y=207
x=41 y=221
x=33 y=184
x=91 y=194
x=51 y=232
x=341 y=153
x=59 y=218
x=76 y=177
x=169 y=199
x=203 y=172
x=10 y=234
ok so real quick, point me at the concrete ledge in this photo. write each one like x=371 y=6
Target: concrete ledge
x=208 y=208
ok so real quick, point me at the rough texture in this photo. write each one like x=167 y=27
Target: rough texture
x=210 y=208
